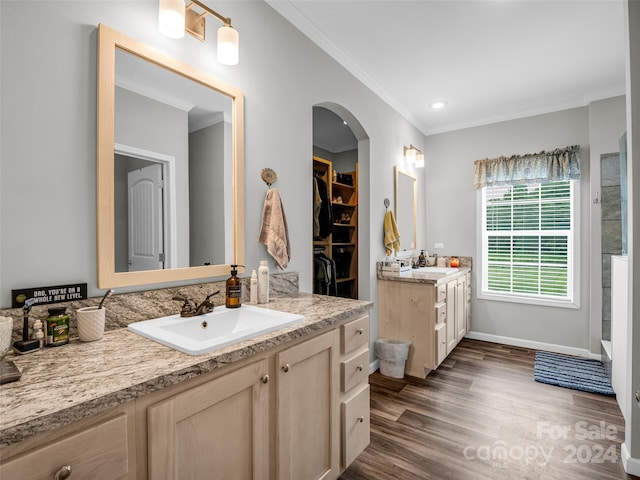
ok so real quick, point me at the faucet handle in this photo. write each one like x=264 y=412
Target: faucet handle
x=187 y=307
x=212 y=294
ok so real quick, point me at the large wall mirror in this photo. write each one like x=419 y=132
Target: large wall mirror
x=170 y=168
x=406 y=205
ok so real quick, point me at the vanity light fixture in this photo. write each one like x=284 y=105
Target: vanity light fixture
x=410 y=154
x=175 y=18
x=413 y=155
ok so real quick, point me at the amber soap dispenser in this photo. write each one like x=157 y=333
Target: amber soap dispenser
x=233 y=298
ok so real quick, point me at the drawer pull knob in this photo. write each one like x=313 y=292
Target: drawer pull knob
x=63 y=473
x=265 y=379
x=285 y=368
x=360 y=368
x=361 y=419
x=360 y=331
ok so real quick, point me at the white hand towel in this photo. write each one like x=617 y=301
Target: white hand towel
x=274 y=232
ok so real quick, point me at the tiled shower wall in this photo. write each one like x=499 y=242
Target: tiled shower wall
x=611 y=230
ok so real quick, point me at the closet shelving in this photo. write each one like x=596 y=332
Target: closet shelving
x=342 y=244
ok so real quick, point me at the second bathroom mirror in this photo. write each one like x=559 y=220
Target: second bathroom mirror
x=406 y=205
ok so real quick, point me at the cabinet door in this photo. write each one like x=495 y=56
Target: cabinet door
x=451 y=315
x=441 y=342
x=308 y=419
x=461 y=304
x=355 y=425
x=216 y=430
x=467 y=310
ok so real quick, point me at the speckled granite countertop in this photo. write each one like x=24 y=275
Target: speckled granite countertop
x=425 y=275
x=64 y=384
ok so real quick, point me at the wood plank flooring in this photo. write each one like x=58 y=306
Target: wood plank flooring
x=481 y=415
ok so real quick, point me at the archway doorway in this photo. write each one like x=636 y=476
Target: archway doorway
x=340 y=210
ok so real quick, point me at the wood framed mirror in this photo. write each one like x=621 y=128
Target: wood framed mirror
x=170 y=168
x=406 y=206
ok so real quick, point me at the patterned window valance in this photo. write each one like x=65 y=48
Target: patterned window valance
x=543 y=167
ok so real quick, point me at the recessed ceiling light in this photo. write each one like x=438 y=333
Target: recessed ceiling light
x=438 y=104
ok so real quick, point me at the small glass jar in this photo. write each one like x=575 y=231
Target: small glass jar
x=57 y=327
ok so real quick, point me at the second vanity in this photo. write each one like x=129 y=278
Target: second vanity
x=291 y=404
x=428 y=307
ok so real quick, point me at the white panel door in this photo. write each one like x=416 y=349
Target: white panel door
x=146 y=246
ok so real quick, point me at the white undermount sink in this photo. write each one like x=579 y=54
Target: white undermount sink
x=222 y=327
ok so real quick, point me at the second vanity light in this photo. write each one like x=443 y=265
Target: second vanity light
x=413 y=155
x=175 y=18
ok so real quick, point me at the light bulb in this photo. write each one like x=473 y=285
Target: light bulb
x=228 y=40
x=410 y=155
x=171 y=18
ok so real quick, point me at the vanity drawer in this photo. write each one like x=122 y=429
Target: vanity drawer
x=98 y=452
x=355 y=425
x=441 y=342
x=441 y=293
x=354 y=334
x=441 y=313
x=354 y=370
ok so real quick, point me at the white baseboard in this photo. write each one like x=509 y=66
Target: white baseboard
x=631 y=465
x=518 y=342
x=373 y=366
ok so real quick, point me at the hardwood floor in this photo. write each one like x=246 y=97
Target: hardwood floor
x=481 y=415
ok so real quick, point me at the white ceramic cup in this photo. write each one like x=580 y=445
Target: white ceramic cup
x=90 y=323
x=6 y=331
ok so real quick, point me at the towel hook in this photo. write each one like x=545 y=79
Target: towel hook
x=268 y=176
x=386 y=203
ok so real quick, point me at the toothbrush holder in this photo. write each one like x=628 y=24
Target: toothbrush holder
x=90 y=323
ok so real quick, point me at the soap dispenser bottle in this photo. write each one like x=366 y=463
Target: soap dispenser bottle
x=233 y=298
x=253 y=290
x=263 y=282
x=422 y=260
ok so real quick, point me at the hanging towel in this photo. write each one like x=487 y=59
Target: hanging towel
x=274 y=232
x=391 y=235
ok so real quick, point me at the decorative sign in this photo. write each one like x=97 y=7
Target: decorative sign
x=46 y=295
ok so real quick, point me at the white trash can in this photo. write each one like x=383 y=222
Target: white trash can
x=393 y=355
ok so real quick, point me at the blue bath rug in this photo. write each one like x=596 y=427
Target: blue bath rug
x=582 y=374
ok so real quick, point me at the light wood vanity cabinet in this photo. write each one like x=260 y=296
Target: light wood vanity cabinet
x=99 y=448
x=276 y=417
x=295 y=412
x=434 y=318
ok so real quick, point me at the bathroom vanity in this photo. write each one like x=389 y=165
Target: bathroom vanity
x=286 y=405
x=431 y=308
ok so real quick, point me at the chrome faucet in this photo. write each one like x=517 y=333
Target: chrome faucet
x=190 y=309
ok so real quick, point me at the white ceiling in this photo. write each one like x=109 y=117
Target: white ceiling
x=490 y=60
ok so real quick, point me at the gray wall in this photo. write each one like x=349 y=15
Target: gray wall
x=631 y=446
x=207 y=194
x=452 y=217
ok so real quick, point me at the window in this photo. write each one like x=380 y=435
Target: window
x=528 y=242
